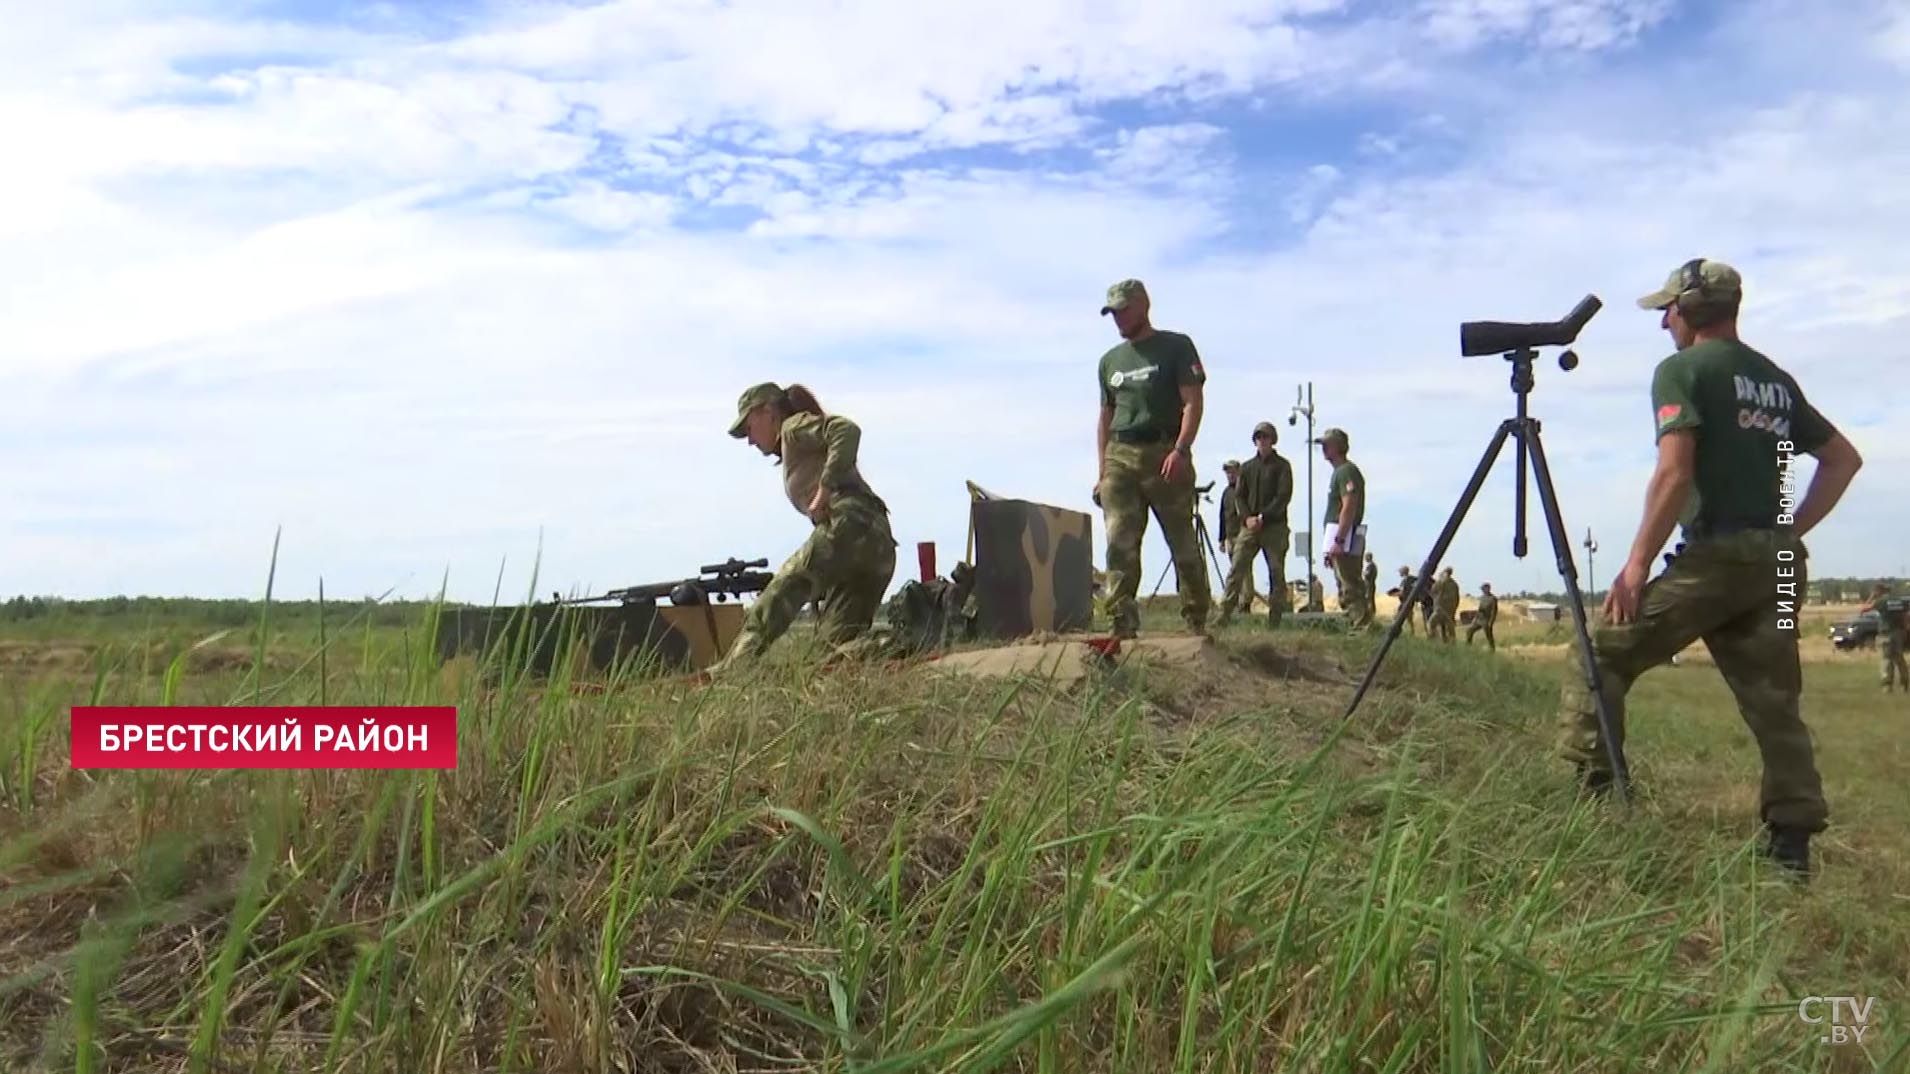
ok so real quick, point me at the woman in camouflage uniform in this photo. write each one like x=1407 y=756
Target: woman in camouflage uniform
x=849 y=559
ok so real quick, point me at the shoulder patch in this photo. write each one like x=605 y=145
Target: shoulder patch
x=1669 y=413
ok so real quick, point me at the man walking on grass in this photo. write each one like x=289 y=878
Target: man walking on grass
x=1728 y=421
x=1151 y=401
x=1485 y=617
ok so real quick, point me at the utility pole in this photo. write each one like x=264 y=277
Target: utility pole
x=1591 y=572
x=1303 y=406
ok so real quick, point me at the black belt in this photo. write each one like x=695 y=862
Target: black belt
x=1139 y=436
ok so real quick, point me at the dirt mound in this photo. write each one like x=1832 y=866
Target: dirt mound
x=1192 y=678
x=1275 y=663
x=1069 y=659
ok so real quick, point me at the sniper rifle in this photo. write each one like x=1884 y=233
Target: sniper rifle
x=731 y=578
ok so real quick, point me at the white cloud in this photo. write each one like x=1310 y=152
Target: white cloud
x=1564 y=24
x=344 y=296
x=1175 y=152
x=1306 y=197
x=599 y=206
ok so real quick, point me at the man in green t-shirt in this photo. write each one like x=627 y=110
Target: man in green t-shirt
x=1345 y=510
x=1729 y=422
x=1151 y=400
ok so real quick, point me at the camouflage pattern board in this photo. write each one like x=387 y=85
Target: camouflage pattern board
x=1034 y=566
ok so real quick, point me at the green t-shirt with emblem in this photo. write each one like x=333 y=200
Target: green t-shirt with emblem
x=1141 y=379
x=1346 y=481
x=1750 y=416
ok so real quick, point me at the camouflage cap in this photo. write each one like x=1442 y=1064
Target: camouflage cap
x=1230 y=465
x=1123 y=293
x=1267 y=429
x=751 y=399
x=1337 y=436
x=1712 y=281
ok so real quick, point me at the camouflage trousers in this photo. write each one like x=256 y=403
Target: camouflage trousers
x=1354 y=600
x=1475 y=627
x=1268 y=543
x=845 y=565
x=1131 y=487
x=1894 y=669
x=1444 y=624
x=1725 y=591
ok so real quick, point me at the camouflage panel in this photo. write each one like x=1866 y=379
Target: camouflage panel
x=1034 y=567
x=653 y=637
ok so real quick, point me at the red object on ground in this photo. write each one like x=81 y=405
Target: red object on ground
x=925 y=555
x=1109 y=647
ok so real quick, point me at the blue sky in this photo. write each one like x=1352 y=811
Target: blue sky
x=437 y=288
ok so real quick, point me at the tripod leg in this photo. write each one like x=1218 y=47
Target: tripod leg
x=1213 y=551
x=1518 y=493
x=1562 y=548
x=1432 y=559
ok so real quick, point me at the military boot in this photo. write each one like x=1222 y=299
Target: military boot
x=1791 y=848
x=1594 y=783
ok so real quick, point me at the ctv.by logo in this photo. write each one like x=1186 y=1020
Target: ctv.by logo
x=1848 y=1018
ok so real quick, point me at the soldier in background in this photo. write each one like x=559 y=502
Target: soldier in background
x=1406 y=581
x=848 y=560
x=1445 y=606
x=1262 y=496
x=1229 y=510
x=1890 y=633
x=1230 y=520
x=1315 y=600
x=1151 y=402
x=1371 y=580
x=1485 y=617
x=1345 y=510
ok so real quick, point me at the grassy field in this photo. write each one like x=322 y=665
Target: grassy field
x=878 y=870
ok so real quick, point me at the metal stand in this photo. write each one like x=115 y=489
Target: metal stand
x=1293 y=417
x=1525 y=430
x=1202 y=534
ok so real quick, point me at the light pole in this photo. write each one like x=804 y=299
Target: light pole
x=1303 y=406
x=1591 y=572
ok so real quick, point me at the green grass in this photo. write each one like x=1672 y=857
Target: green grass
x=879 y=871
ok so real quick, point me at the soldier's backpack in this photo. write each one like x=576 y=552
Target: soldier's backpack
x=925 y=617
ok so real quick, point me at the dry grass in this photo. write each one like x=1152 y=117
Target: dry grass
x=879 y=871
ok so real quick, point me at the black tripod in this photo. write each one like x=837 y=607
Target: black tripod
x=1517 y=342
x=1202 y=535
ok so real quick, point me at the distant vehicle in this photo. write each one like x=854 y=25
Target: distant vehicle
x=1859 y=632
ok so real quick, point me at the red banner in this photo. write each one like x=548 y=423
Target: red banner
x=134 y=736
